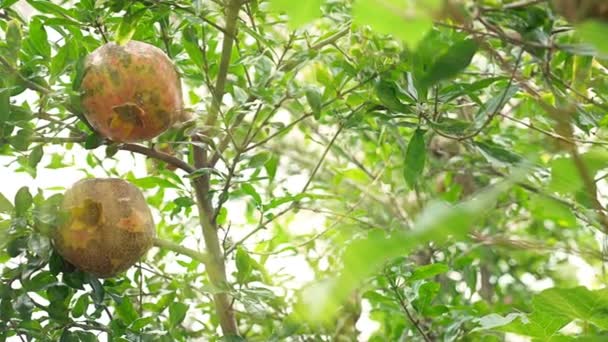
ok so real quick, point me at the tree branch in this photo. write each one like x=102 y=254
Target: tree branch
x=152 y=153
x=410 y=317
x=215 y=265
x=179 y=249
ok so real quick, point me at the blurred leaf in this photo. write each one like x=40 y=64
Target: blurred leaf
x=6 y=206
x=21 y=141
x=594 y=32
x=126 y=311
x=40 y=281
x=250 y=190
x=35 y=156
x=49 y=7
x=152 y=182
x=428 y=271
x=451 y=63
x=190 y=42
x=407 y=22
x=13 y=40
x=98 y=293
x=259 y=159
x=243 y=265
x=552 y=310
x=314 y=101
x=39 y=39
x=496 y=103
x=299 y=12
x=81 y=305
x=128 y=25
x=7 y=3
x=23 y=201
x=565 y=177
x=438 y=222
x=387 y=94
x=495 y=152
x=5 y=101
x=415 y=158
x=271 y=166
x=93 y=141
x=575 y=303
x=177 y=313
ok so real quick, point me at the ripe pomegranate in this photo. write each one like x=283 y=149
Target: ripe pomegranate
x=106 y=227
x=130 y=92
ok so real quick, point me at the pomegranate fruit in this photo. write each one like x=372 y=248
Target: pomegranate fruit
x=130 y=92
x=106 y=227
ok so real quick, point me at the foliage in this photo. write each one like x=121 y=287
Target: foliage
x=354 y=169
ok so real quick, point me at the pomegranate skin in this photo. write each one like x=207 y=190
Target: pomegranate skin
x=130 y=92
x=106 y=226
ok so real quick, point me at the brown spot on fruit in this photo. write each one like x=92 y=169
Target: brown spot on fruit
x=133 y=223
x=108 y=227
x=124 y=82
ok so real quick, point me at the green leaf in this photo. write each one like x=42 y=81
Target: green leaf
x=81 y=305
x=152 y=182
x=65 y=56
x=243 y=265
x=40 y=281
x=565 y=176
x=7 y=3
x=35 y=156
x=271 y=166
x=387 y=94
x=594 y=33
x=23 y=201
x=177 y=313
x=6 y=207
x=495 y=152
x=552 y=310
x=574 y=303
x=451 y=63
x=141 y=323
x=315 y=101
x=74 y=279
x=5 y=104
x=426 y=293
x=493 y=320
x=39 y=39
x=93 y=141
x=126 y=311
x=21 y=141
x=497 y=102
x=259 y=159
x=406 y=22
x=299 y=12
x=45 y=6
x=250 y=190
x=415 y=158
x=99 y=292
x=13 y=40
x=40 y=245
x=190 y=43
x=127 y=26
x=428 y=271
x=544 y=208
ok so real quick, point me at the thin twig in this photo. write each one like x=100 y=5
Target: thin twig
x=152 y=153
x=179 y=249
x=403 y=304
